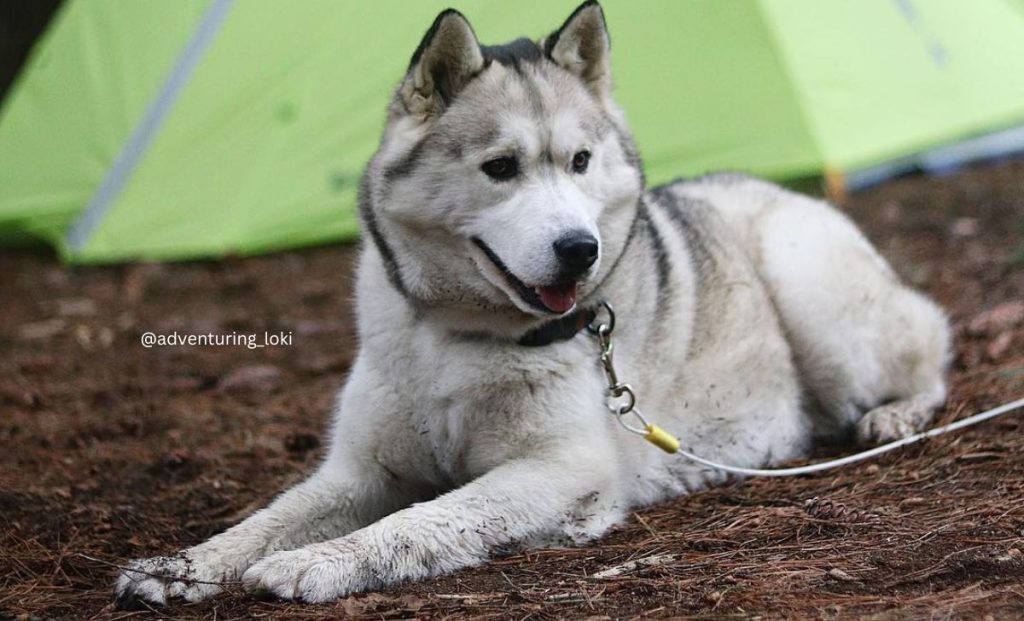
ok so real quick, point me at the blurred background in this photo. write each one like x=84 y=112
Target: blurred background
x=201 y=128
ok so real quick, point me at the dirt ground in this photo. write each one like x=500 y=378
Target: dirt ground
x=111 y=451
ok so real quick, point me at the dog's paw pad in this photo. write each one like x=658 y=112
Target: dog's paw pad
x=891 y=422
x=307 y=575
x=276 y=576
x=156 y=580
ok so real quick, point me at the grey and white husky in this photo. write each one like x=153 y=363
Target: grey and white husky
x=505 y=203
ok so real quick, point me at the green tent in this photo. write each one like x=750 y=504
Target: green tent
x=173 y=129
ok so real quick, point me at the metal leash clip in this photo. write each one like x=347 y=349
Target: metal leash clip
x=621 y=398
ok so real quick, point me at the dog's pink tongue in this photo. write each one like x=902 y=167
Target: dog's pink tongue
x=558 y=298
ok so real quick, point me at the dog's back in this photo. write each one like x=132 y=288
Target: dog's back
x=860 y=338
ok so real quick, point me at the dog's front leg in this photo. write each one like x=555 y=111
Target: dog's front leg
x=349 y=491
x=330 y=503
x=514 y=502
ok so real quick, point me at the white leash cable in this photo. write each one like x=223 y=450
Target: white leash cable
x=856 y=457
x=670 y=444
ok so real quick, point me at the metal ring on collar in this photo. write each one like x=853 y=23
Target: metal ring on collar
x=595 y=328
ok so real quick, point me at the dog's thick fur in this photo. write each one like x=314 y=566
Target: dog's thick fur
x=751 y=321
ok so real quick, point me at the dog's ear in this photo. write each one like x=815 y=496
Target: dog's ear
x=583 y=47
x=447 y=58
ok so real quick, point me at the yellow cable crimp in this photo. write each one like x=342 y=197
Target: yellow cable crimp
x=661 y=439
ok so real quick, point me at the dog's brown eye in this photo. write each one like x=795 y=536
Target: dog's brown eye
x=501 y=168
x=580 y=162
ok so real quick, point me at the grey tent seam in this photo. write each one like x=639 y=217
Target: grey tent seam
x=137 y=144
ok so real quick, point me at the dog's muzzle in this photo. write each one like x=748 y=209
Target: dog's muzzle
x=576 y=252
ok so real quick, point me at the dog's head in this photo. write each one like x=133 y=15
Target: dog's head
x=506 y=181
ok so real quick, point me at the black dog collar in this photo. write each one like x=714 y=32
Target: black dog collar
x=558 y=330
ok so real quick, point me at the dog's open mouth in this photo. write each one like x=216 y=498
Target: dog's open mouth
x=557 y=298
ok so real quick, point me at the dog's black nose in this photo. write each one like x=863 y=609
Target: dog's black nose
x=576 y=251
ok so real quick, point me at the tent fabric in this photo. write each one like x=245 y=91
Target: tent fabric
x=82 y=91
x=263 y=145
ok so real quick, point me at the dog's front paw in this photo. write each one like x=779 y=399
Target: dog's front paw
x=157 y=580
x=316 y=573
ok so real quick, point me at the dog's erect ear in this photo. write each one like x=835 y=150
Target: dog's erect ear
x=583 y=47
x=447 y=58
